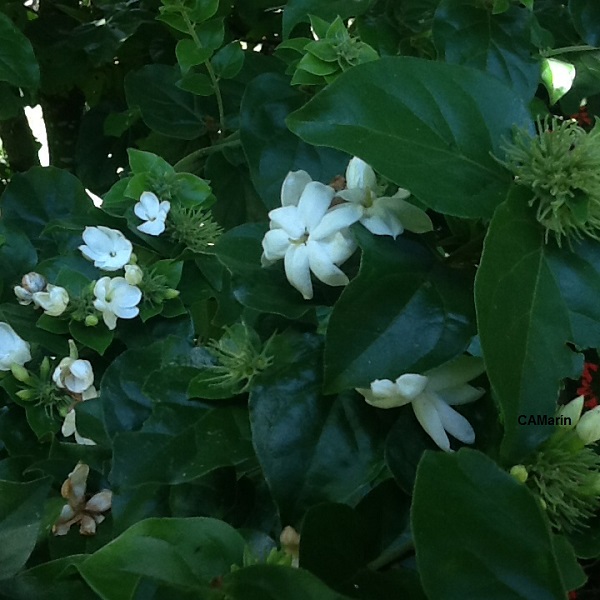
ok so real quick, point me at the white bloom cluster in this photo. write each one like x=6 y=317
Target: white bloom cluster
x=311 y=235
x=77 y=376
x=432 y=396
x=154 y=212
x=53 y=299
x=114 y=297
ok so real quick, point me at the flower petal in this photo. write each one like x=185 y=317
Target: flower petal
x=338 y=218
x=410 y=385
x=454 y=373
x=360 y=175
x=454 y=423
x=427 y=415
x=322 y=266
x=288 y=219
x=313 y=203
x=412 y=217
x=297 y=269
x=153 y=227
x=275 y=244
x=461 y=394
x=293 y=186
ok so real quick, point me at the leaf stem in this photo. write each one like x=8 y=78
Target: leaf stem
x=233 y=141
x=392 y=555
x=211 y=73
x=569 y=49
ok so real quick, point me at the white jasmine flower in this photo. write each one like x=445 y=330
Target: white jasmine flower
x=54 y=300
x=69 y=428
x=307 y=235
x=154 y=212
x=30 y=284
x=87 y=514
x=432 y=396
x=76 y=375
x=12 y=348
x=108 y=248
x=386 y=215
x=133 y=274
x=116 y=298
x=588 y=426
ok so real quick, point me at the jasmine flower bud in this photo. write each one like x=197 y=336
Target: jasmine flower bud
x=54 y=300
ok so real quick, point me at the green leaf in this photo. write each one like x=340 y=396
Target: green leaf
x=466 y=33
x=571 y=571
x=262 y=289
x=10 y=102
x=558 y=77
x=165 y=108
x=21 y=507
x=34 y=200
x=299 y=11
x=208 y=439
x=17 y=254
x=228 y=61
x=183 y=554
x=262 y=582
x=189 y=55
x=98 y=338
x=413 y=122
x=196 y=83
x=411 y=297
x=271 y=149
x=332 y=545
x=469 y=521
x=524 y=335
x=18 y=65
x=143 y=163
x=586 y=19
x=334 y=456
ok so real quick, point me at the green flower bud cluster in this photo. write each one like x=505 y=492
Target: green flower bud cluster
x=561 y=166
x=241 y=357
x=195 y=228
x=565 y=476
x=40 y=389
x=155 y=289
x=324 y=59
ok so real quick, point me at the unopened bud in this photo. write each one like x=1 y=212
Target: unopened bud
x=91 y=321
x=20 y=373
x=33 y=282
x=45 y=367
x=520 y=473
x=588 y=428
x=26 y=395
x=171 y=293
x=133 y=274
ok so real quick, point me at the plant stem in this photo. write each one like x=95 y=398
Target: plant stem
x=211 y=74
x=568 y=49
x=392 y=555
x=233 y=141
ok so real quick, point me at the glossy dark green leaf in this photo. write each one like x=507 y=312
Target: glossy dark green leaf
x=332 y=545
x=17 y=255
x=180 y=553
x=272 y=150
x=419 y=117
x=18 y=65
x=228 y=61
x=97 y=338
x=165 y=108
x=21 y=506
x=125 y=405
x=467 y=33
x=586 y=19
x=33 y=200
x=259 y=288
x=312 y=448
x=50 y=580
x=411 y=297
x=476 y=530
x=207 y=440
x=298 y=11
x=571 y=571
x=262 y=582
x=524 y=335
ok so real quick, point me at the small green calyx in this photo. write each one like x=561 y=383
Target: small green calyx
x=565 y=476
x=195 y=228
x=561 y=166
x=241 y=357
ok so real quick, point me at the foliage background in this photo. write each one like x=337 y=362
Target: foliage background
x=196 y=480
